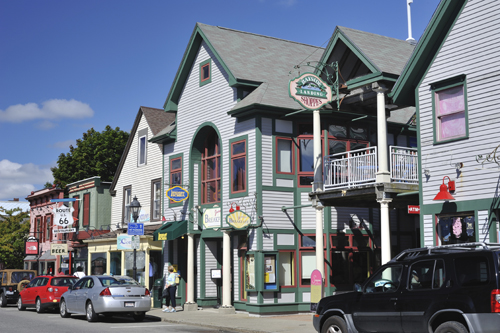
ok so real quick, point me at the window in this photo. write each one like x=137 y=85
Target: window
x=175 y=175
x=306 y=155
x=238 y=166
x=456 y=228
x=38 y=227
x=127 y=199
x=142 y=150
x=156 y=199
x=76 y=210
x=86 y=209
x=286 y=268
x=472 y=271
x=98 y=263
x=211 y=169
x=205 y=72
x=284 y=155
x=386 y=280
x=450 y=109
x=48 y=226
x=307 y=245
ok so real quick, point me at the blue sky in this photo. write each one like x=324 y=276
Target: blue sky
x=67 y=66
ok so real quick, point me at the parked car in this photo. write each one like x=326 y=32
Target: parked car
x=451 y=288
x=108 y=295
x=11 y=282
x=44 y=292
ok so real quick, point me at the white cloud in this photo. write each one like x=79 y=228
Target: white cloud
x=53 y=109
x=64 y=144
x=45 y=125
x=18 y=180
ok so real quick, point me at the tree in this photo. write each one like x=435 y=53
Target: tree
x=96 y=154
x=47 y=185
x=14 y=230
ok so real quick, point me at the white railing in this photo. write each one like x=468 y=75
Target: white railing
x=351 y=168
x=404 y=164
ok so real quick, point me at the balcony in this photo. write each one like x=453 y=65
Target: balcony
x=350 y=177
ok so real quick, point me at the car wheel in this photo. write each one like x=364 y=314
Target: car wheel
x=91 y=315
x=139 y=316
x=334 y=324
x=451 y=327
x=20 y=305
x=3 y=301
x=38 y=305
x=63 y=310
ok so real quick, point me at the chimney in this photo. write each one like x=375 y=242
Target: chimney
x=16 y=199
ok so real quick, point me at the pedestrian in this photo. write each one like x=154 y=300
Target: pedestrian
x=60 y=271
x=79 y=272
x=171 y=286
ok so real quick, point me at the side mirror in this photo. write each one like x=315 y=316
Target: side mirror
x=357 y=287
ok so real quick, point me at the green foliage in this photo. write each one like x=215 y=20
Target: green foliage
x=96 y=154
x=47 y=185
x=14 y=230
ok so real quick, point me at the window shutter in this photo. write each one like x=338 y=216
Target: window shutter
x=86 y=209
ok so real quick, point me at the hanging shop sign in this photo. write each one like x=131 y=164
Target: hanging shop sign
x=316 y=289
x=238 y=219
x=58 y=249
x=212 y=218
x=124 y=242
x=177 y=194
x=31 y=246
x=310 y=91
x=63 y=215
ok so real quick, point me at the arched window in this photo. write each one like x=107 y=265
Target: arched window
x=210 y=177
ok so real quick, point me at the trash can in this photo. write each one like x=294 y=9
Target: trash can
x=157 y=291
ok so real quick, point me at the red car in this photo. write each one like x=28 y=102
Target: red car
x=44 y=292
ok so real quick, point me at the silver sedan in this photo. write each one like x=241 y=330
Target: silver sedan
x=108 y=295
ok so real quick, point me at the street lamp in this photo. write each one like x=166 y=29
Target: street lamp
x=135 y=206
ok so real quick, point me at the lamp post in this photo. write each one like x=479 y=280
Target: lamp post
x=135 y=206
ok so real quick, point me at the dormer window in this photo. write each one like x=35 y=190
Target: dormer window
x=205 y=72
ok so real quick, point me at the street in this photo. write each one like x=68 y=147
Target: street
x=12 y=320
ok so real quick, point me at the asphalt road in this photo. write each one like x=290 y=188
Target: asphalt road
x=15 y=321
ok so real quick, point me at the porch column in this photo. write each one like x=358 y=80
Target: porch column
x=385 y=230
x=190 y=304
x=317 y=187
x=383 y=174
x=226 y=273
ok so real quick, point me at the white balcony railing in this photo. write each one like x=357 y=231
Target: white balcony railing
x=350 y=169
x=404 y=164
x=357 y=167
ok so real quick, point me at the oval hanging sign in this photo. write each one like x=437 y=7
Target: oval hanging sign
x=238 y=219
x=177 y=194
x=310 y=91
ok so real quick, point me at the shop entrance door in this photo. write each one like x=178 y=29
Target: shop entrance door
x=349 y=267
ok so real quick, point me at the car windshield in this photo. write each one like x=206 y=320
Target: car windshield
x=17 y=277
x=118 y=280
x=63 y=281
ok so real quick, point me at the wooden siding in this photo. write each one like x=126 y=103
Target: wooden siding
x=429 y=230
x=482 y=226
x=267 y=152
x=268 y=242
x=138 y=177
x=210 y=263
x=472 y=49
x=236 y=270
x=274 y=217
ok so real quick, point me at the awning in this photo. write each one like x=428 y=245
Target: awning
x=47 y=256
x=171 y=230
x=30 y=258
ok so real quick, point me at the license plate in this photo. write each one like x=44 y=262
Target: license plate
x=129 y=304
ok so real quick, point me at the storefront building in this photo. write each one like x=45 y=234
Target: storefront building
x=455 y=67
x=245 y=237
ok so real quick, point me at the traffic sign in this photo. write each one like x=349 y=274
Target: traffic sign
x=136 y=242
x=135 y=229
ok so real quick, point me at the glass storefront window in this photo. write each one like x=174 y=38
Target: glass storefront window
x=287 y=268
x=115 y=265
x=98 y=263
x=270 y=271
x=250 y=272
x=460 y=228
x=140 y=263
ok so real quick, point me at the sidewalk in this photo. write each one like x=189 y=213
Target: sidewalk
x=240 y=322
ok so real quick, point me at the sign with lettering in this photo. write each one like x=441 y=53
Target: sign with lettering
x=177 y=194
x=212 y=218
x=135 y=229
x=124 y=242
x=63 y=231
x=238 y=219
x=63 y=215
x=31 y=246
x=58 y=249
x=316 y=288
x=310 y=91
x=415 y=209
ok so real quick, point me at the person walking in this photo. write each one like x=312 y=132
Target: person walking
x=171 y=285
x=79 y=272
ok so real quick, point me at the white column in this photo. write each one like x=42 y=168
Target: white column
x=383 y=175
x=226 y=270
x=318 y=186
x=385 y=231
x=190 y=269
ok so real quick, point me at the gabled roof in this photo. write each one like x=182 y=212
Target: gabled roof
x=249 y=60
x=157 y=119
x=362 y=54
x=440 y=25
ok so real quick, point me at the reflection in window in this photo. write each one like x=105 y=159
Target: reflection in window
x=386 y=280
x=285 y=155
x=238 y=166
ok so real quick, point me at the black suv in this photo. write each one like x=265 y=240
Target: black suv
x=450 y=288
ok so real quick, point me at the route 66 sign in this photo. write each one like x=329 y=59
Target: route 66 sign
x=63 y=216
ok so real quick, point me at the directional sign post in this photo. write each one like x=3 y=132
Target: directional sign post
x=135 y=229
